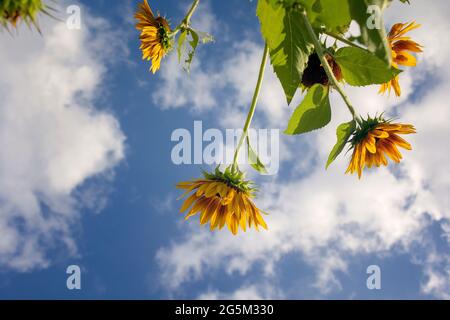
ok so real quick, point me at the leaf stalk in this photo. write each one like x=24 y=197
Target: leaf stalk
x=321 y=53
x=251 y=112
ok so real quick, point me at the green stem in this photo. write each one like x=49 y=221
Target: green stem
x=251 y=112
x=191 y=11
x=187 y=19
x=342 y=39
x=320 y=52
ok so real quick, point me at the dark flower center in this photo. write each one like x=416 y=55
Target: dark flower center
x=315 y=73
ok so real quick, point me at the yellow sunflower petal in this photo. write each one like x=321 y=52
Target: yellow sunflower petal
x=406 y=59
x=188 y=202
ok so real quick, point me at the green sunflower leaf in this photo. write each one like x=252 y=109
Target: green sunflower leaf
x=368 y=14
x=362 y=68
x=205 y=37
x=181 y=44
x=254 y=160
x=193 y=43
x=334 y=15
x=313 y=113
x=194 y=38
x=343 y=133
x=289 y=43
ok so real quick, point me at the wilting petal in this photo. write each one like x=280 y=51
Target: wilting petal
x=154 y=35
x=387 y=140
x=401 y=45
x=220 y=202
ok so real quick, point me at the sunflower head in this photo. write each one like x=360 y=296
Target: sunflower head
x=12 y=12
x=233 y=178
x=401 y=46
x=315 y=73
x=164 y=33
x=376 y=139
x=222 y=197
x=155 y=36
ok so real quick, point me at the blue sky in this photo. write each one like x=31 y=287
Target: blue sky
x=86 y=176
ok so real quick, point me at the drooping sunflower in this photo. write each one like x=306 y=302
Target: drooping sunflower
x=222 y=198
x=13 y=11
x=155 y=35
x=375 y=139
x=315 y=73
x=401 y=46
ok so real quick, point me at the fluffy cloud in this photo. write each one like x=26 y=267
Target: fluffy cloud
x=437 y=275
x=203 y=89
x=196 y=90
x=326 y=217
x=52 y=136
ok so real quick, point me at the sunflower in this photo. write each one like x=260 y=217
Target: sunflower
x=155 y=35
x=401 y=45
x=222 y=198
x=12 y=12
x=374 y=140
x=315 y=73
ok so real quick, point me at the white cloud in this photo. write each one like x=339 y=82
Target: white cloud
x=325 y=216
x=204 y=20
x=52 y=136
x=202 y=89
x=437 y=275
x=250 y=292
x=195 y=90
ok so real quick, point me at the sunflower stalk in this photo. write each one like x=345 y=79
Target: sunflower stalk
x=321 y=53
x=251 y=112
x=185 y=23
x=342 y=39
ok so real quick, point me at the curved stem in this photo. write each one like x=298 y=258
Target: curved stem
x=320 y=52
x=191 y=11
x=342 y=39
x=251 y=112
x=187 y=19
